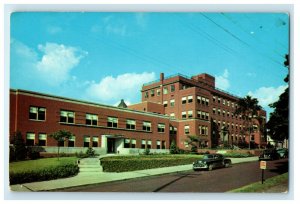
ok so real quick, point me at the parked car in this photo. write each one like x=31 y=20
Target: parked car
x=269 y=154
x=211 y=161
x=283 y=152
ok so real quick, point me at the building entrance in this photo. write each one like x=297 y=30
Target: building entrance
x=111 y=145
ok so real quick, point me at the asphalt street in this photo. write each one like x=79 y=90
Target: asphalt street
x=218 y=180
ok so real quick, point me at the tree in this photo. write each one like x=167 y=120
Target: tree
x=278 y=123
x=60 y=136
x=193 y=141
x=19 y=151
x=247 y=108
x=173 y=148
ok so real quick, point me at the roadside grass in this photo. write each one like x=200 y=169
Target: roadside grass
x=258 y=187
x=23 y=166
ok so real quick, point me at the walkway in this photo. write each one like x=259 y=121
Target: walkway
x=87 y=177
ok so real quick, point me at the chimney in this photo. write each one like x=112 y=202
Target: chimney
x=162 y=76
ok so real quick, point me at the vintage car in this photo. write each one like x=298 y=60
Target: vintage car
x=269 y=154
x=211 y=161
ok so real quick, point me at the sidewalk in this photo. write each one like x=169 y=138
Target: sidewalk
x=86 y=178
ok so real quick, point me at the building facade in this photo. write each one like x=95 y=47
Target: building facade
x=171 y=109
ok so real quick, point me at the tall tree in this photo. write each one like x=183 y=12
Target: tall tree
x=247 y=108
x=60 y=136
x=278 y=123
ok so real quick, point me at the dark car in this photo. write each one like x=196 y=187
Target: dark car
x=211 y=161
x=283 y=152
x=269 y=154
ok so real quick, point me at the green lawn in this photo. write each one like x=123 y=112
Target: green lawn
x=23 y=166
x=259 y=187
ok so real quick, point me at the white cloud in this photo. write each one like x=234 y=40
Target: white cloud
x=222 y=81
x=113 y=89
x=53 y=67
x=267 y=95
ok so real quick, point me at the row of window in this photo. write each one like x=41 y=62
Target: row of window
x=189 y=114
x=203 y=130
x=165 y=91
x=224 y=113
x=38 y=113
x=200 y=100
x=224 y=102
x=131 y=143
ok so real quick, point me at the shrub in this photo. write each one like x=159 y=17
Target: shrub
x=237 y=155
x=173 y=148
x=146 y=151
x=45 y=174
x=90 y=152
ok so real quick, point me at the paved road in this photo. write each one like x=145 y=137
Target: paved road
x=219 y=180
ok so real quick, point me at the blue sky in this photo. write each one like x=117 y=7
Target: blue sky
x=105 y=57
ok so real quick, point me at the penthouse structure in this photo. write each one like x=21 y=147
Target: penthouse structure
x=171 y=109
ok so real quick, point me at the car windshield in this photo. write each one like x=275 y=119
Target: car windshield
x=208 y=156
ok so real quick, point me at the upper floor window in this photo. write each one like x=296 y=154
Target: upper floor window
x=206 y=101
x=152 y=93
x=183 y=100
x=147 y=126
x=198 y=99
x=91 y=119
x=214 y=110
x=37 y=113
x=214 y=98
x=165 y=90
x=190 y=99
x=186 y=129
x=172 y=88
x=112 y=122
x=219 y=100
x=228 y=103
x=146 y=94
x=130 y=124
x=165 y=103
x=158 y=92
x=172 y=102
x=161 y=127
x=224 y=101
x=183 y=115
x=67 y=116
x=172 y=115
x=190 y=114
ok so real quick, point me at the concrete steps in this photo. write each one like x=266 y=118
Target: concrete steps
x=90 y=165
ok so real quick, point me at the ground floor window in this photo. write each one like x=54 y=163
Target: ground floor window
x=158 y=144
x=86 y=141
x=42 y=139
x=126 y=143
x=30 y=137
x=143 y=146
x=133 y=143
x=163 y=144
x=95 y=141
x=71 y=141
x=149 y=144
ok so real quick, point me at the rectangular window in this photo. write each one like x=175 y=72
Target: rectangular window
x=67 y=116
x=95 y=141
x=232 y=105
x=203 y=101
x=190 y=99
x=112 y=122
x=228 y=103
x=147 y=126
x=214 y=99
x=224 y=102
x=198 y=114
x=161 y=127
x=133 y=143
x=172 y=88
x=42 y=139
x=30 y=139
x=203 y=129
x=206 y=116
x=172 y=115
x=165 y=103
x=91 y=119
x=152 y=93
x=206 y=101
x=130 y=124
x=228 y=114
x=126 y=143
x=143 y=145
x=214 y=110
x=183 y=100
x=198 y=99
x=158 y=144
x=163 y=144
x=37 y=113
x=149 y=144
x=158 y=92
x=224 y=113
x=86 y=141
x=165 y=90
x=183 y=115
x=71 y=141
x=146 y=94
x=186 y=129
x=172 y=102
x=190 y=114
x=219 y=100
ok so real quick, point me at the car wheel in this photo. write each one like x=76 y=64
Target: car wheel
x=227 y=165
x=210 y=167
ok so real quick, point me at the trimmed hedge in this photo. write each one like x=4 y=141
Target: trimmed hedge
x=132 y=163
x=238 y=155
x=45 y=174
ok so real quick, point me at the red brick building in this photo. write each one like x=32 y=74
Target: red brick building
x=171 y=109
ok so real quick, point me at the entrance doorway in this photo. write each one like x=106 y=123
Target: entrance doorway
x=111 y=145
